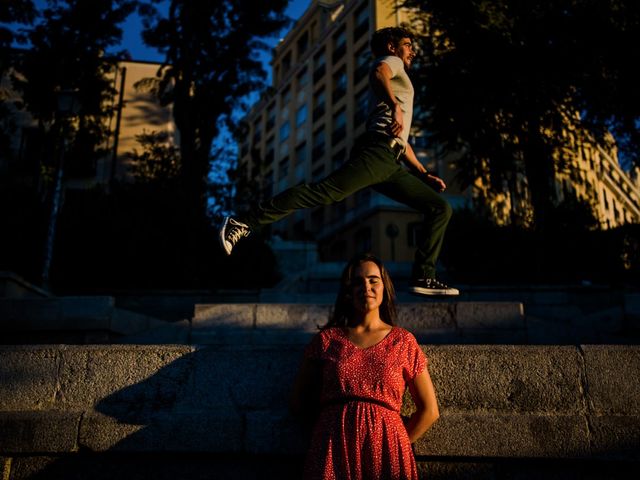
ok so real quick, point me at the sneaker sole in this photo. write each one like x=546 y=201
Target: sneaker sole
x=223 y=242
x=434 y=291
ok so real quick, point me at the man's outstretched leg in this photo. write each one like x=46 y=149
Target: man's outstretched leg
x=372 y=161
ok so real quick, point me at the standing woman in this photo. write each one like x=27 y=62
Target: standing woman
x=355 y=372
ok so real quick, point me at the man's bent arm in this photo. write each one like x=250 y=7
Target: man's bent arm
x=412 y=161
x=380 y=80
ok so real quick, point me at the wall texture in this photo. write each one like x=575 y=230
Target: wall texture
x=221 y=412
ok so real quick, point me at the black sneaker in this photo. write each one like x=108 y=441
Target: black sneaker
x=431 y=286
x=232 y=231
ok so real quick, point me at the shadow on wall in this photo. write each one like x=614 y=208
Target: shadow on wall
x=211 y=413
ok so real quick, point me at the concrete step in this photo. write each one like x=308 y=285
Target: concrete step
x=430 y=322
x=93 y=318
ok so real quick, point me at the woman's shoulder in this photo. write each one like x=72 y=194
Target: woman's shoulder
x=404 y=334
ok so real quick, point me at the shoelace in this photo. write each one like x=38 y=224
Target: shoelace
x=236 y=233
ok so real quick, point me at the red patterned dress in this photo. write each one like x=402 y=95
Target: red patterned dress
x=359 y=433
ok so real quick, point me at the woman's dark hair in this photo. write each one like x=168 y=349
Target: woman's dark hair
x=383 y=37
x=343 y=310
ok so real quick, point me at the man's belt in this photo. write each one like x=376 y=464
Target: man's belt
x=397 y=147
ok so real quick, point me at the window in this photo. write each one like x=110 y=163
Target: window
x=339 y=84
x=301 y=115
x=415 y=234
x=362 y=61
x=268 y=157
x=283 y=168
x=285 y=96
x=301 y=162
x=339 y=45
x=286 y=63
x=257 y=133
x=301 y=153
x=317 y=218
x=318 y=104
x=284 y=131
x=271 y=116
x=339 y=158
x=362 y=107
x=303 y=44
x=319 y=66
x=362 y=240
x=318 y=144
x=303 y=78
x=317 y=174
x=339 y=126
x=361 y=21
x=267 y=185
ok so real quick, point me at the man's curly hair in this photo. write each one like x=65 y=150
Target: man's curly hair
x=383 y=37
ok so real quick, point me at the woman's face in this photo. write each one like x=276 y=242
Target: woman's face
x=367 y=289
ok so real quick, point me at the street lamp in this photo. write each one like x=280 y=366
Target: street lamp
x=67 y=106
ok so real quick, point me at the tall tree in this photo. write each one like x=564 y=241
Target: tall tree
x=502 y=80
x=212 y=61
x=12 y=14
x=68 y=53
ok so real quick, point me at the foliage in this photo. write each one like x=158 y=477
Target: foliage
x=144 y=236
x=566 y=253
x=159 y=160
x=211 y=63
x=68 y=54
x=503 y=80
x=20 y=12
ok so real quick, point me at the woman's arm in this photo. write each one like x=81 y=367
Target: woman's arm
x=424 y=397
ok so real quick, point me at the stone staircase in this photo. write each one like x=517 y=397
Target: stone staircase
x=89 y=389
x=549 y=318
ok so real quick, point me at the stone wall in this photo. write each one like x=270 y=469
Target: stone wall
x=221 y=412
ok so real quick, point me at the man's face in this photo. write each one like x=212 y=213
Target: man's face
x=404 y=51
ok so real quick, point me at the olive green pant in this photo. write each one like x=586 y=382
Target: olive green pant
x=372 y=163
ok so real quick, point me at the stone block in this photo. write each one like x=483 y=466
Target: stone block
x=34 y=314
x=548 y=331
x=496 y=315
x=86 y=312
x=549 y=297
x=615 y=437
x=38 y=431
x=509 y=378
x=205 y=431
x=162 y=333
x=126 y=322
x=486 y=434
x=421 y=317
x=124 y=380
x=613 y=379
x=224 y=315
x=307 y=317
x=274 y=432
x=262 y=378
x=492 y=336
x=609 y=320
x=28 y=377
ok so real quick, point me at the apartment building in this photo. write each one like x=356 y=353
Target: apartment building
x=307 y=127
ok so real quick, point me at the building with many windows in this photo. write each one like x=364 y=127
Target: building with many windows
x=307 y=127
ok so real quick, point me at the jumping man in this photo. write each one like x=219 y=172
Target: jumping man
x=376 y=161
